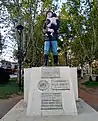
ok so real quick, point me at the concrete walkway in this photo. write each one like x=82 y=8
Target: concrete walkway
x=6 y=105
x=18 y=113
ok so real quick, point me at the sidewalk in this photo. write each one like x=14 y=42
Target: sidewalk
x=91 y=99
x=7 y=104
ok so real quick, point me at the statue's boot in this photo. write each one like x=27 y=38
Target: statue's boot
x=55 y=60
x=45 y=60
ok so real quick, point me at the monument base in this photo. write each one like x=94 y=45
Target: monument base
x=52 y=91
x=18 y=113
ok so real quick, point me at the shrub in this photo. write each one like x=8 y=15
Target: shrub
x=90 y=78
x=4 y=76
x=96 y=78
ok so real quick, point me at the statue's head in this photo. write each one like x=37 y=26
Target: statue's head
x=49 y=14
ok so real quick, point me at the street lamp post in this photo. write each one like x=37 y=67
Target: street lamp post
x=19 y=29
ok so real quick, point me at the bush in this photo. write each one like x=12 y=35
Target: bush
x=90 y=78
x=79 y=73
x=95 y=70
x=4 y=76
x=96 y=78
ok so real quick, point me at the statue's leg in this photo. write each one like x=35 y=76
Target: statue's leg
x=54 y=46
x=46 y=52
x=45 y=60
x=55 y=60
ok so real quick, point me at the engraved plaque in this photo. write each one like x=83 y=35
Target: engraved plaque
x=43 y=85
x=60 y=85
x=51 y=101
x=50 y=72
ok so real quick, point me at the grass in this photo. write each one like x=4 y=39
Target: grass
x=90 y=84
x=6 y=90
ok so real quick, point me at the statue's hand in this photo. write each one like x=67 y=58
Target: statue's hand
x=49 y=25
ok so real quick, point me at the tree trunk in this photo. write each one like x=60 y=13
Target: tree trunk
x=66 y=60
x=32 y=31
x=90 y=71
x=81 y=72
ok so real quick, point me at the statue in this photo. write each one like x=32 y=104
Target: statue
x=51 y=26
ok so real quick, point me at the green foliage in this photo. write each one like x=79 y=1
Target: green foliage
x=84 y=46
x=95 y=70
x=47 y=3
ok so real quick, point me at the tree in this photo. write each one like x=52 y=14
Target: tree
x=84 y=30
x=27 y=13
x=78 y=25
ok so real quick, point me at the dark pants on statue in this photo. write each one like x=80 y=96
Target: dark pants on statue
x=53 y=46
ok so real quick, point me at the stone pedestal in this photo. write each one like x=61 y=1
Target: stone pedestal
x=51 y=92
x=74 y=81
x=27 y=79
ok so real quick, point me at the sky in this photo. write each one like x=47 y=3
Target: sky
x=10 y=45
